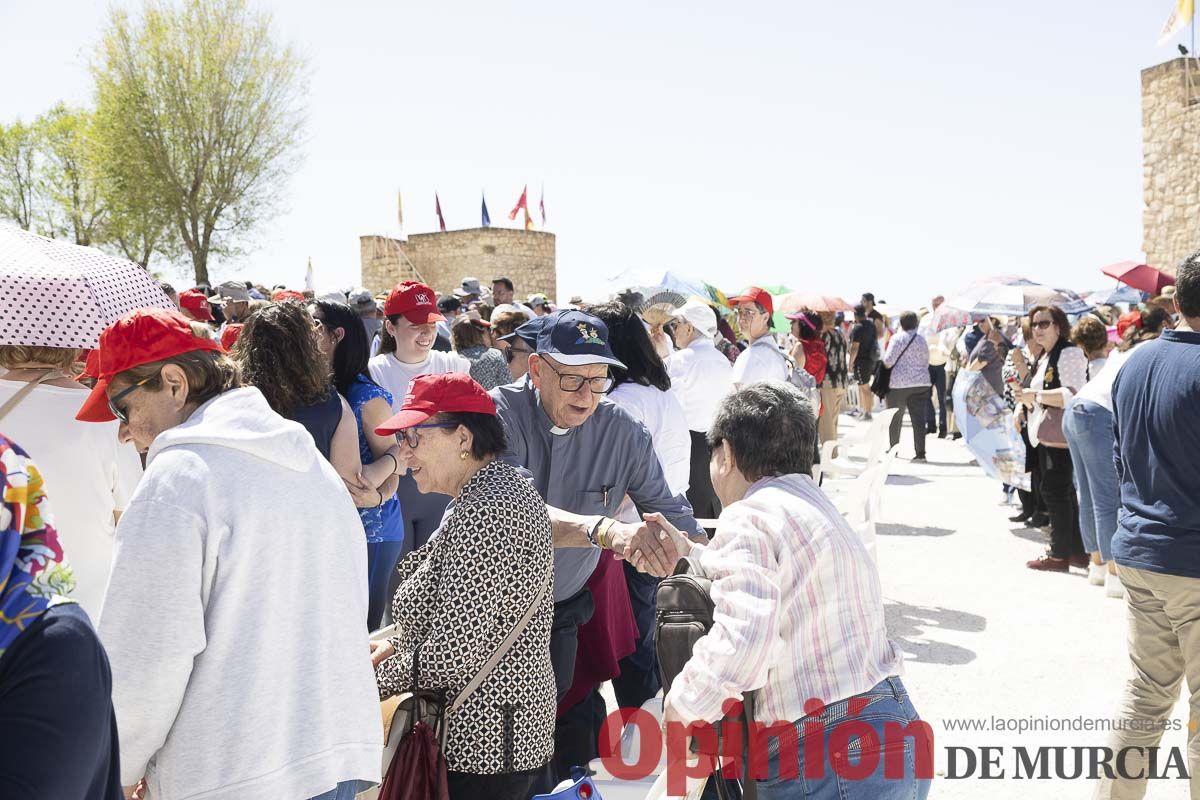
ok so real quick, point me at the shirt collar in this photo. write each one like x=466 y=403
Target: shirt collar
x=1185 y=337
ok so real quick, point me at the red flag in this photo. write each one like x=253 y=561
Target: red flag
x=441 y=221
x=542 y=205
x=520 y=204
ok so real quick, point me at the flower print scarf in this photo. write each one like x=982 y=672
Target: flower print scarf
x=33 y=576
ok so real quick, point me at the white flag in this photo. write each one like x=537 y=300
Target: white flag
x=309 y=283
x=1181 y=16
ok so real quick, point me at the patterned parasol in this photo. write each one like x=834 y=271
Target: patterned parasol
x=55 y=294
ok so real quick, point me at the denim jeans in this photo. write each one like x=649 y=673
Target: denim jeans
x=344 y=791
x=1089 y=430
x=887 y=702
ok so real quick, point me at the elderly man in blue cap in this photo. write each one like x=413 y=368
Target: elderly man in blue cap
x=585 y=455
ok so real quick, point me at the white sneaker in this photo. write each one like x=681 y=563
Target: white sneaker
x=1096 y=573
x=1113 y=586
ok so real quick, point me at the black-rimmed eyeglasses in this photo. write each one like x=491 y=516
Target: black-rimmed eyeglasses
x=573 y=383
x=121 y=413
x=511 y=352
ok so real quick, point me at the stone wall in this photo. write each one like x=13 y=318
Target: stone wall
x=442 y=260
x=1171 y=162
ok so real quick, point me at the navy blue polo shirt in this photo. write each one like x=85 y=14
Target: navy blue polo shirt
x=1156 y=425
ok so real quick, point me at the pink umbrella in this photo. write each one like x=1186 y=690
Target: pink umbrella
x=1142 y=277
x=55 y=294
x=794 y=301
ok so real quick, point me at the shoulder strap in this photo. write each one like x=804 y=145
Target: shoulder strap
x=24 y=391
x=905 y=350
x=505 y=646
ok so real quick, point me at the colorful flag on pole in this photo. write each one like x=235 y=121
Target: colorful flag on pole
x=528 y=221
x=309 y=281
x=520 y=204
x=438 y=204
x=487 y=221
x=1181 y=16
x=542 y=205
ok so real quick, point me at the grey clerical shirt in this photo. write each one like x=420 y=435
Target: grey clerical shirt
x=588 y=469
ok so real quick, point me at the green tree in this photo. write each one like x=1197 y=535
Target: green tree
x=203 y=111
x=18 y=173
x=67 y=180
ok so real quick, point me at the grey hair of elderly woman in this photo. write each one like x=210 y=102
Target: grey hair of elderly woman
x=771 y=430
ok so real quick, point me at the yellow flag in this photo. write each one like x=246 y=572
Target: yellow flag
x=1181 y=16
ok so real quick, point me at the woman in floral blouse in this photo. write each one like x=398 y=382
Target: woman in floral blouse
x=463 y=592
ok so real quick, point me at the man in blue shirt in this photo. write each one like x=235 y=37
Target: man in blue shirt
x=1156 y=425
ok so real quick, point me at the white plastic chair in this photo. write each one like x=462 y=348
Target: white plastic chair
x=874 y=438
x=863 y=502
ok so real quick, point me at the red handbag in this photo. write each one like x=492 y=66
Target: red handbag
x=418 y=770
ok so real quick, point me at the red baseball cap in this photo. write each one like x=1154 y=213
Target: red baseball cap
x=195 y=302
x=281 y=295
x=416 y=301
x=753 y=294
x=1128 y=319
x=230 y=335
x=436 y=394
x=140 y=337
x=91 y=367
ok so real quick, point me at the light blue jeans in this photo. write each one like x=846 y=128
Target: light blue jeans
x=346 y=790
x=887 y=702
x=1088 y=428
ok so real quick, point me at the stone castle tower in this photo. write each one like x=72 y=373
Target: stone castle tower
x=1171 y=162
x=442 y=260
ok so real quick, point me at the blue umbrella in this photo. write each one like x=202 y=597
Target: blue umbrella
x=1118 y=294
x=988 y=432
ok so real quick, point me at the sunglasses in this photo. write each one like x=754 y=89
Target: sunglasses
x=511 y=353
x=1042 y=325
x=121 y=413
x=412 y=438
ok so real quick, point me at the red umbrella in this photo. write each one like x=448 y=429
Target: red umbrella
x=795 y=301
x=1142 y=277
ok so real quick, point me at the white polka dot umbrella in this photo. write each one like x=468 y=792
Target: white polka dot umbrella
x=55 y=294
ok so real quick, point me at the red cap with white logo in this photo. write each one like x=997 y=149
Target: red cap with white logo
x=415 y=301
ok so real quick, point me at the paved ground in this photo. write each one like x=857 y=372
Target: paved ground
x=985 y=637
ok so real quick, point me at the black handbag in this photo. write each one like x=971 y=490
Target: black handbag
x=882 y=380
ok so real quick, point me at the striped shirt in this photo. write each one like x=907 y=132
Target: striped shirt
x=799 y=612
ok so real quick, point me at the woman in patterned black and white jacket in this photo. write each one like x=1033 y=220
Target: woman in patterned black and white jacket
x=463 y=592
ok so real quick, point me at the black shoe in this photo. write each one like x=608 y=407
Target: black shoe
x=1039 y=521
x=954 y=437
x=930 y=431
x=919 y=460
x=1024 y=516
x=941 y=434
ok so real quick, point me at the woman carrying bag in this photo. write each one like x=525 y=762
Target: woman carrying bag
x=1061 y=372
x=473 y=608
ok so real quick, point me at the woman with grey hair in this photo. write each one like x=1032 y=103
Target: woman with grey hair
x=910 y=389
x=786 y=570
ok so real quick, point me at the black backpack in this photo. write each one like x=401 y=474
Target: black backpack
x=684 y=615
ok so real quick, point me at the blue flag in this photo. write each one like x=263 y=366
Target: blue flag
x=487 y=221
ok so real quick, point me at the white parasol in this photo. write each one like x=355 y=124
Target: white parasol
x=56 y=294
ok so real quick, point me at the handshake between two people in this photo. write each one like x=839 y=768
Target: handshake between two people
x=652 y=546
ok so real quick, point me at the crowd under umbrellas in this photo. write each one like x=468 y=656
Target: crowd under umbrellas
x=587 y=449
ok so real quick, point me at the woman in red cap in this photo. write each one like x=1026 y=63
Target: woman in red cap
x=485 y=577
x=237 y=585
x=406 y=351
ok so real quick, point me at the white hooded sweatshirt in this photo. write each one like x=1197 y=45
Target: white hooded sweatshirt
x=235 y=617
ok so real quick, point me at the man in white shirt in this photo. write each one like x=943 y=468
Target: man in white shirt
x=938 y=355
x=700 y=378
x=762 y=360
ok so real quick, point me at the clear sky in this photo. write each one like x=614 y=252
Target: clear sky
x=903 y=148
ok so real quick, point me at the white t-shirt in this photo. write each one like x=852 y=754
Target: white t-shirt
x=394 y=375
x=1099 y=388
x=88 y=474
x=701 y=377
x=761 y=361
x=662 y=416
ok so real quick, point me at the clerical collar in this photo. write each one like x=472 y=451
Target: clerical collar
x=557 y=431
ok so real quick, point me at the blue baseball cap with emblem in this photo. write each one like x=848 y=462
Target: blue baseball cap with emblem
x=527 y=333
x=575 y=339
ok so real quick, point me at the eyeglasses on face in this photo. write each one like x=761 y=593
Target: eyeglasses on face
x=1043 y=324
x=117 y=411
x=413 y=439
x=511 y=353
x=573 y=383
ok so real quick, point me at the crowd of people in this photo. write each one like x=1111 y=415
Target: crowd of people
x=246 y=486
